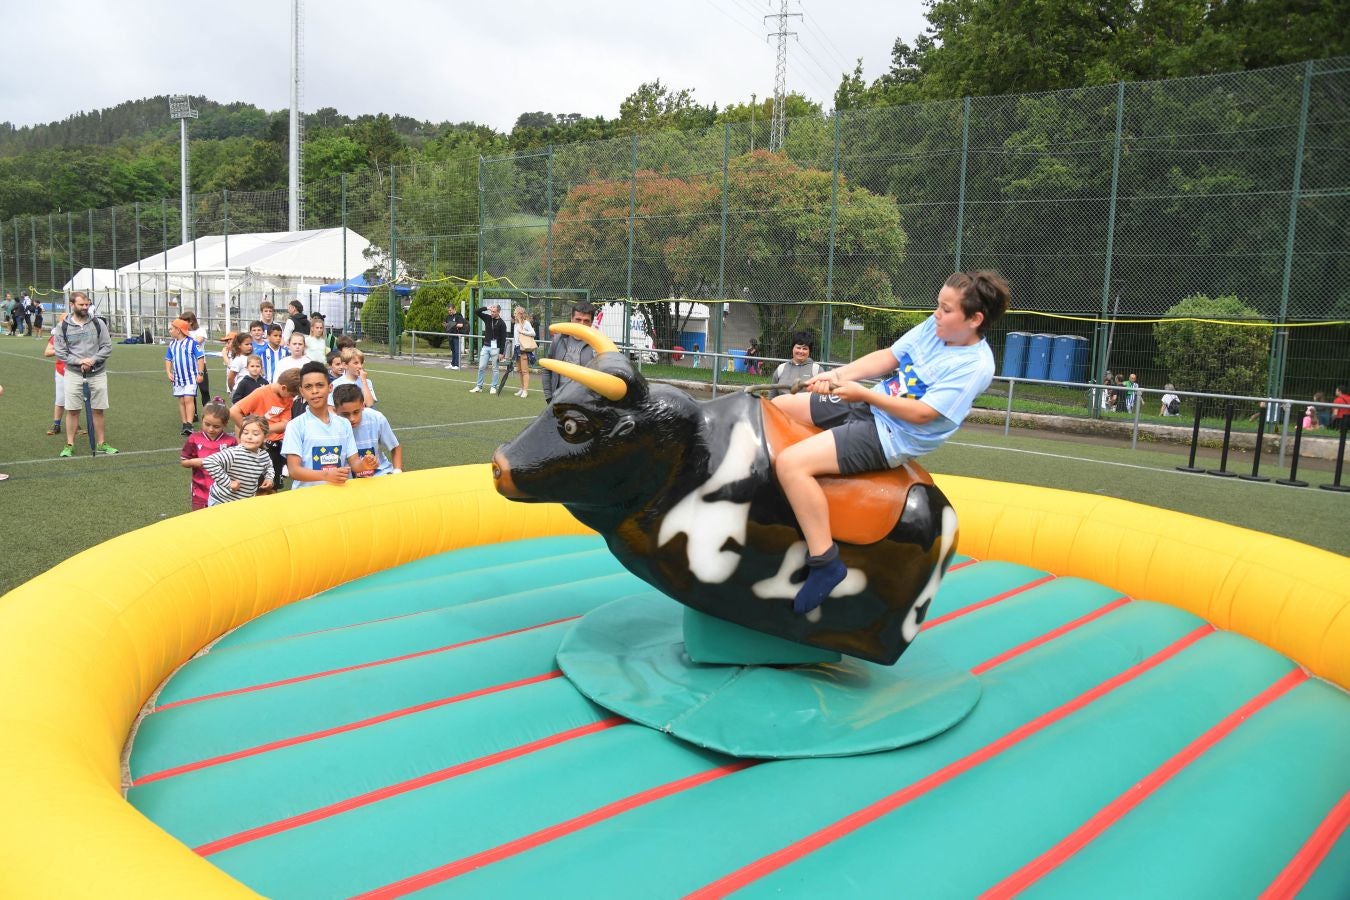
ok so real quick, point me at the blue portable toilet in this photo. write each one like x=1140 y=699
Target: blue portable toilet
x=1015 y=354
x=1038 y=356
x=691 y=340
x=1068 y=358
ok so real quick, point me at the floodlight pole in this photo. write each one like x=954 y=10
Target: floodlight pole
x=180 y=108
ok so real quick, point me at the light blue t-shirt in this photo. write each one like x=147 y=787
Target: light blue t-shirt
x=343 y=379
x=372 y=435
x=944 y=377
x=319 y=446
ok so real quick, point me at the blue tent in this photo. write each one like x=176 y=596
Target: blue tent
x=358 y=284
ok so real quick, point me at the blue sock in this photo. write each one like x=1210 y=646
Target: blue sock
x=823 y=574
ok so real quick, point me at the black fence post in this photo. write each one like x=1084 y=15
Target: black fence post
x=1256 y=455
x=1195 y=442
x=1222 y=470
x=1340 y=459
x=1292 y=480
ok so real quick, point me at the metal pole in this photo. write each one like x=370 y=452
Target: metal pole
x=92 y=295
x=346 y=298
x=18 y=265
x=112 y=214
x=70 y=247
x=51 y=255
x=827 y=316
x=548 y=236
x=393 y=254
x=1102 y=327
x=140 y=313
x=183 y=175
x=632 y=224
x=961 y=187
x=164 y=225
x=1007 y=416
x=2 y=259
x=32 y=242
x=225 y=227
x=716 y=311
x=1279 y=338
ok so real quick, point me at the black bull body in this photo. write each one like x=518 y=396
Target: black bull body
x=684 y=494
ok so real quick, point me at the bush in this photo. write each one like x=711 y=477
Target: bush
x=428 y=309
x=1210 y=356
x=886 y=325
x=375 y=316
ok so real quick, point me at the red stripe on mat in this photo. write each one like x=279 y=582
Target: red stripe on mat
x=1305 y=862
x=989 y=601
x=366 y=665
x=553 y=832
x=1108 y=815
x=403 y=787
x=961 y=565
x=778 y=859
x=339 y=729
x=1048 y=636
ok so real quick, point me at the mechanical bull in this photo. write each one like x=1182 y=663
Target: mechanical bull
x=685 y=495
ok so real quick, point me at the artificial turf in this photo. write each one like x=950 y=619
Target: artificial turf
x=53 y=508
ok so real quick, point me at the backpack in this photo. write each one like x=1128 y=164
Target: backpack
x=65 y=328
x=1174 y=406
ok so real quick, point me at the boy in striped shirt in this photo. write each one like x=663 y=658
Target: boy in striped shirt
x=238 y=472
x=184 y=365
x=271 y=353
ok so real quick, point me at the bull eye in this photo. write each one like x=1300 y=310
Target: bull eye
x=575 y=427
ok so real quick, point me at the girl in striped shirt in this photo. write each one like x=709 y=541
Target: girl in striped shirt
x=185 y=366
x=238 y=472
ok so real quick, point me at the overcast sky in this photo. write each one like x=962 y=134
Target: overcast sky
x=440 y=61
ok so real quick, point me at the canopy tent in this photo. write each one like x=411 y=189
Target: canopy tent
x=359 y=284
x=248 y=268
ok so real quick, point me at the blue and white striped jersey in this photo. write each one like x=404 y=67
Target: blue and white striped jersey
x=182 y=357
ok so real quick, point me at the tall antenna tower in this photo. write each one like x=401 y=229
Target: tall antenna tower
x=778 y=127
x=296 y=181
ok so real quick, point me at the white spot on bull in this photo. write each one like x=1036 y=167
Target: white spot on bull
x=780 y=586
x=910 y=627
x=709 y=525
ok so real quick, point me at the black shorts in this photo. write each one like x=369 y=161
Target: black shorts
x=856 y=443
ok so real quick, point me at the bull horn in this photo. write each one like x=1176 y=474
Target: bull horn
x=611 y=387
x=597 y=340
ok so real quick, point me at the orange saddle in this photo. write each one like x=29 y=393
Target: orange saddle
x=863 y=508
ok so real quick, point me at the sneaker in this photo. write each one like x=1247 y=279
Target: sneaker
x=187 y=431
x=524 y=394
x=475 y=390
x=68 y=451
x=55 y=429
x=492 y=390
x=108 y=449
x=456 y=368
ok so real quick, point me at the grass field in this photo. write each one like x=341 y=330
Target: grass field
x=53 y=508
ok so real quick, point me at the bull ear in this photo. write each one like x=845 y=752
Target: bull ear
x=611 y=387
x=597 y=340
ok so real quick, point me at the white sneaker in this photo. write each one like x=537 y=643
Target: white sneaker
x=524 y=394
x=475 y=390
x=456 y=368
x=492 y=390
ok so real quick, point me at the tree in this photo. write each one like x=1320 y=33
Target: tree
x=776 y=245
x=654 y=107
x=427 y=311
x=1211 y=357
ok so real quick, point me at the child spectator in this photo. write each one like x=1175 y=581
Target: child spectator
x=371 y=431
x=319 y=446
x=240 y=349
x=59 y=410
x=198 y=335
x=238 y=472
x=1171 y=403
x=344 y=341
x=354 y=361
x=335 y=365
x=1342 y=410
x=296 y=358
x=272 y=353
x=200 y=444
x=273 y=403
x=257 y=333
x=267 y=314
x=251 y=380
x=185 y=367
x=318 y=342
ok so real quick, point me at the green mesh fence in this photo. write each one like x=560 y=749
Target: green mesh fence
x=1103 y=206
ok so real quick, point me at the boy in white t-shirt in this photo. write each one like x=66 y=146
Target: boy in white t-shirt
x=319 y=445
x=935 y=371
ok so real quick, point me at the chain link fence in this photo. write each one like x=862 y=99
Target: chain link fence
x=1105 y=207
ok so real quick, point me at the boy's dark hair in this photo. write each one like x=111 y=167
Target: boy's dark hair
x=346 y=393
x=984 y=291
x=585 y=307
x=297 y=306
x=313 y=368
x=332 y=355
x=275 y=327
x=317 y=317
x=256 y=323
x=805 y=338
x=344 y=341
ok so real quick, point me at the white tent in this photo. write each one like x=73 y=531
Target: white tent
x=91 y=280
x=248 y=268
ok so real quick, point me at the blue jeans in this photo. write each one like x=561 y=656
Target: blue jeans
x=487 y=359
x=454 y=349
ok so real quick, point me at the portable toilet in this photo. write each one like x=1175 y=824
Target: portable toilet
x=1038 y=356
x=1068 y=358
x=1015 y=354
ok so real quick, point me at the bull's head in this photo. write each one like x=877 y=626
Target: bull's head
x=602 y=442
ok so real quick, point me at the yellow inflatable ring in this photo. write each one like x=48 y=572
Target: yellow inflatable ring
x=83 y=646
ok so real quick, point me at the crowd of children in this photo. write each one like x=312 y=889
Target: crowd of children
x=304 y=411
